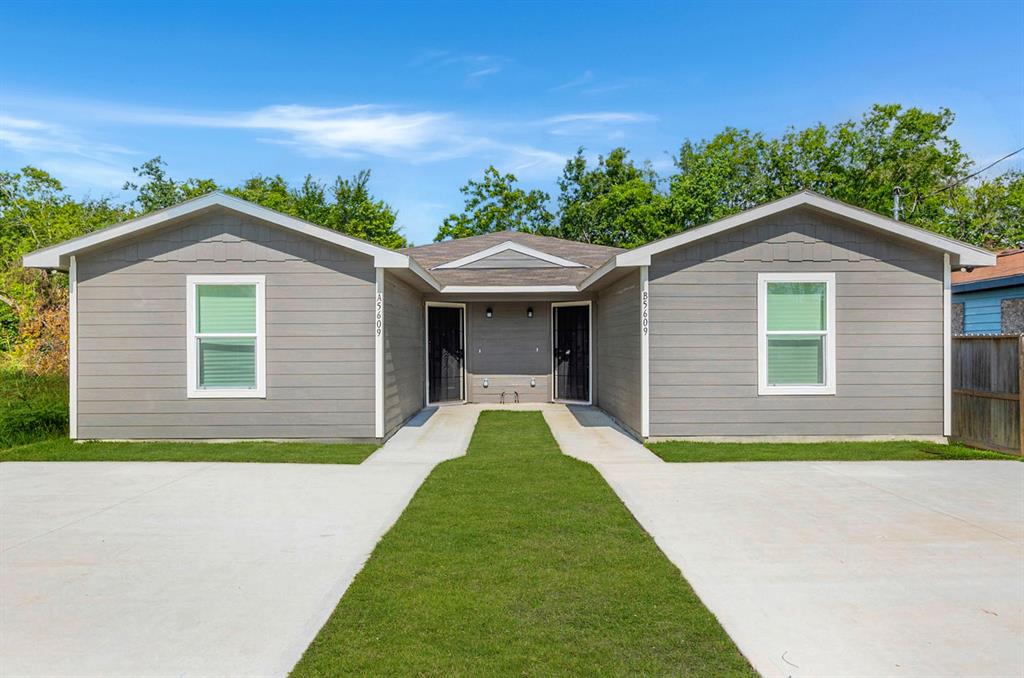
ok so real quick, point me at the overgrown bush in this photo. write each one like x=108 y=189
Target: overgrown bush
x=32 y=406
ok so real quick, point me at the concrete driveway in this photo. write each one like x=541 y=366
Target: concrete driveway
x=178 y=569
x=836 y=569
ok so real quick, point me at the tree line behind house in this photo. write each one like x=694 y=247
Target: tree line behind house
x=613 y=200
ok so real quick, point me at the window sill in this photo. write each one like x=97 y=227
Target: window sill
x=796 y=390
x=226 y=393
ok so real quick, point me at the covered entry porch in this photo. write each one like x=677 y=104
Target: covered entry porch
x=495 y=350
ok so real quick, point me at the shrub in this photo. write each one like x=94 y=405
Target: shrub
x=32 y=407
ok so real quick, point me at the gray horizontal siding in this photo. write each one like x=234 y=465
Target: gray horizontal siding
x=618 y=355
x=888 y=323
x=132 y=334
x=404 y=356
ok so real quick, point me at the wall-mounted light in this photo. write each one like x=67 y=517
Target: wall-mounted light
x=533 y=382
x=529 y=311
x=487 y=382
x=489 y=312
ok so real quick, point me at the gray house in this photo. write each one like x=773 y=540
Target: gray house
x=221 y=319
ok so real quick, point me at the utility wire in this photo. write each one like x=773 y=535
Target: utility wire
x=971 y=176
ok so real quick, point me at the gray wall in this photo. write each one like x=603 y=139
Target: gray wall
x=404 y=357
x=704 y=333
x=508 y=349
x=131 y=335
x=617 y=322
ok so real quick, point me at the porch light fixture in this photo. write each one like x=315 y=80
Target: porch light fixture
x=490 y=312
x=529 y=311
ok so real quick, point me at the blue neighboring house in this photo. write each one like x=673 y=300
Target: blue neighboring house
x=990 y=300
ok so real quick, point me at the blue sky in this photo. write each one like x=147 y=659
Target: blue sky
x=427 y=95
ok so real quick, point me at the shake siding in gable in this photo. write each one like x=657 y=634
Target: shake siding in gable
x=132 y=334
x=618 y=354
x=404 y=357
x=703 y=346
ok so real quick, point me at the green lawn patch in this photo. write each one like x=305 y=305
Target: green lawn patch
x=687 y=451
x=296 y=453
x=32 y=406
x=516 y=560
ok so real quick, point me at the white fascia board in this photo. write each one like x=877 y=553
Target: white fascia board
x=515 y=247
x=508 y=289
x=966 y=255
x=606 y=268
x=56 y=256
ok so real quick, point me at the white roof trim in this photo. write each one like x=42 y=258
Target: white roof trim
x=502 y=289
x=58 y=256
x=964 y=254
x=515 y=247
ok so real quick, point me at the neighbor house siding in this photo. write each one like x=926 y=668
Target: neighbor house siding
x=404 y=357
x=983 y=313
x=704 y=333
x=132 y=335
x=617 y=323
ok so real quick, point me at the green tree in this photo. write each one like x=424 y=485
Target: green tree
x=35 y=212
x=613 y=203
x=496 y=203
x=990 y=213
x=158 y=191
x=860 y=162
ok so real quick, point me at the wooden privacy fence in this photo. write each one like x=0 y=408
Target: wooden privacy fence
x=987 y=392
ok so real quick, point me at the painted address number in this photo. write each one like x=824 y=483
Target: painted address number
x=380 y=313
x=643 y=316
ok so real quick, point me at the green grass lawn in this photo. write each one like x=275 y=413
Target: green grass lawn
x=298 y=453
x=518 y=560
x=685 y=451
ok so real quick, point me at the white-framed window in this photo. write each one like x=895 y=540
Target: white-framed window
x=226 y=351
x=796 y=333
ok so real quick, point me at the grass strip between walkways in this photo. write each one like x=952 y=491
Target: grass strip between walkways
x=63 y=449
x=518 y=560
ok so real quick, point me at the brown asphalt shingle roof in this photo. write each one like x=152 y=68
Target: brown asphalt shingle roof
x=591 y=256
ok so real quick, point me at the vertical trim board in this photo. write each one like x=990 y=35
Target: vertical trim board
x=645 y=353
x=378 y=350
x=947 y=348
x=73 y=349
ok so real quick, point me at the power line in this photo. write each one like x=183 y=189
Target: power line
x=971 y=176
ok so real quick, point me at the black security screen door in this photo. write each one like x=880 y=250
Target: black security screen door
x=444 y=354
x=572 y=353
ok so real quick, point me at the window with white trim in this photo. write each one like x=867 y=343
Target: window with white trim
x=796 y=344
x=226 y=352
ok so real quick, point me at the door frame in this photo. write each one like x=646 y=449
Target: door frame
x=426 y=351
x=590 y=352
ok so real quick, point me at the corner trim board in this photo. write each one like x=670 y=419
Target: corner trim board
x=73 y=349
x=645 y=353
x=947 y=348
x=378 y=350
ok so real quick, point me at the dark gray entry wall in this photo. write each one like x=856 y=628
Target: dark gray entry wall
x=132 y=334
x=889 y=348
x=508 y=350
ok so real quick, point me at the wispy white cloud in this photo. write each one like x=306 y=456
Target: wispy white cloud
x=580 y=80
x=28 y=135
x=475 y=66
x=607 y=123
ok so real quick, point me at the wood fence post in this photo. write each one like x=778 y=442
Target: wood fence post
x=1020 y=393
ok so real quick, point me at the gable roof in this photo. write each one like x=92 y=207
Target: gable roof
x=961 y=254
x=58 y=256
x=446 y=261
x=491 y=253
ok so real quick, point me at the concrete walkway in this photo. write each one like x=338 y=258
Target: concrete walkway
x=194 y=569
x=835 y=569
